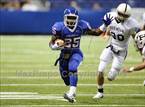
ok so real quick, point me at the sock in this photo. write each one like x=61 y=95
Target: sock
x=100 y=88
x=72 y=90
x=73 y=83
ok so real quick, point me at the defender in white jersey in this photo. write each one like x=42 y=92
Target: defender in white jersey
x=120 y=29
x=140 y=42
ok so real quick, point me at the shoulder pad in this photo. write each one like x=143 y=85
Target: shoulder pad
x=84 y=24
x=57 y=27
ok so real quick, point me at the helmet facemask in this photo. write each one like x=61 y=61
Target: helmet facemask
x=121 y=16
x=71 y=21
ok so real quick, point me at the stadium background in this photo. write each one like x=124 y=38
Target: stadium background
x=27 y=75
x=37 y=17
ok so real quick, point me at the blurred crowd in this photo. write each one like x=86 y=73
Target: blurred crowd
x=46 y=5
x=40 y=5
x=25 y=5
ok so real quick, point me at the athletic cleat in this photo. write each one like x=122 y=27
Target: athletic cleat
x=71 y=99
x=98 y=95
x=144 y=83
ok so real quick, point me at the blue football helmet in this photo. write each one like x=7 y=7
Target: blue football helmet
x=71 y=18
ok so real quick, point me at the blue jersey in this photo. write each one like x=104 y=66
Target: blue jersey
x=72 y=39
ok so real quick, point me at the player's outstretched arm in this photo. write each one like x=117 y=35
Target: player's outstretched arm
x=97 y=32
x=94 y=32
x=136 y=68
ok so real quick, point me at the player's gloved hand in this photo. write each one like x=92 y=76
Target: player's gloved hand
x=127 y=70
x=55 y=47
x=107 y=19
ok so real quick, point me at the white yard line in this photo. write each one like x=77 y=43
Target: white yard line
x=64 y=85
x=19 y=93
x=30 y=95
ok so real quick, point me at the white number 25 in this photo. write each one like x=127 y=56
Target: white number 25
x=72 y=42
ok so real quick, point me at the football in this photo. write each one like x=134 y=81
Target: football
x=59 y=42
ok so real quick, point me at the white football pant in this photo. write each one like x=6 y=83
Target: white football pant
x=117 y=62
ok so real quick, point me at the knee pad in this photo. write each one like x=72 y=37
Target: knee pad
x=113 y=73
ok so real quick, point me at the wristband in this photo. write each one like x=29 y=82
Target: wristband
x=54 y=46
x=131 y=69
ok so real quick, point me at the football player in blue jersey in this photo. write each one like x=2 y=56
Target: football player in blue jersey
x=70 y=31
